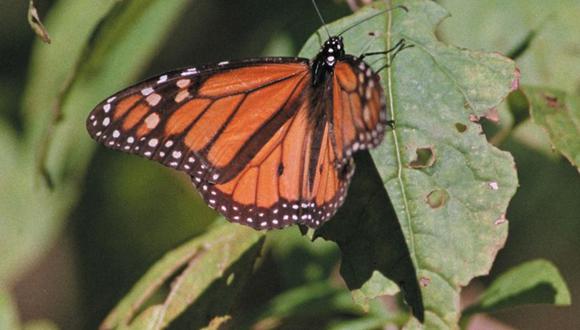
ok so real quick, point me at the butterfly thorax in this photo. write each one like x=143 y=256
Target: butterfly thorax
x=323 y=64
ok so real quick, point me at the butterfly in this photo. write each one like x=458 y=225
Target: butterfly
x=267 y=142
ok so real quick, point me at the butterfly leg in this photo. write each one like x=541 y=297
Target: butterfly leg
x=399 y=46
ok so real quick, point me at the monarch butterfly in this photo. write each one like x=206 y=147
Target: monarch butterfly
x=267 y=142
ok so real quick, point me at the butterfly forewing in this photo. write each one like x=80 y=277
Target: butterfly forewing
x=179 y=118
x=359 y=110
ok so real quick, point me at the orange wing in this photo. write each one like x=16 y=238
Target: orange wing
x=302 y=174
x=359 y=113
x=209 y=121
x=276 y=188
x=263 y=145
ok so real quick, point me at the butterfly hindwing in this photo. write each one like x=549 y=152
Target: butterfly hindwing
x=275 y=188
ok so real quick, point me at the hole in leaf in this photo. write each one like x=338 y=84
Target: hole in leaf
x=519 y=106
x=230 y=279
x=493 y=185
x=551 y=101
x=502 y=219
x=492 y=115
x=437 y=198
x=424 y=281
x=460 y=127
x=425 y=157
x=516 y=81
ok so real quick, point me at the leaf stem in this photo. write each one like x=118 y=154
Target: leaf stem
x=410 y=238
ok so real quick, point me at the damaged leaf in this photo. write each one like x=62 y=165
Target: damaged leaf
x=36 y=24
x=425 y=158
x=429 y=89
x=559 y=114
x=201 y=272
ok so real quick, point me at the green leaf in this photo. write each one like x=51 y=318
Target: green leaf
x=40 y=325
x=202 y=272
x=219 y=322
x=320 y=303
x=312 y=300
x=452 y=210
x=543 y=33
x=11 y=204
x=8 y=314
x=66 y=80
x=533 y=282
x=559 y=114
x=120 y=48
x=361 y=324
x=51 y=66
x=317 y=259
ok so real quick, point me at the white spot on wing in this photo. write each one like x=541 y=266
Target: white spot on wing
x=152 y=120
x=182 y=83
x=153 y=99
x=153 y=142
x=146 y=91
x=182 y=95
x=162 y=79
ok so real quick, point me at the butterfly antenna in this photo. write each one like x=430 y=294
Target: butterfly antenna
x=321 y=18
x=373 y=16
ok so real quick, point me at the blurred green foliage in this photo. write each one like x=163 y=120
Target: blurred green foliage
x=125 y=213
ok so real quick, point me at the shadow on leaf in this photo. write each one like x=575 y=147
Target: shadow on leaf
x=371 y=241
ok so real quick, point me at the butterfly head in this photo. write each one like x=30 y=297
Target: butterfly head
x=332 y=50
